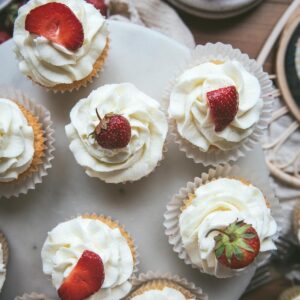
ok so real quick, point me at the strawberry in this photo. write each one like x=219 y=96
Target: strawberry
x=4 y=37
x=85 y=279
x=100 y=5
x=223 y=104
x=57 y=23
x=237 y=245
x=112 y=132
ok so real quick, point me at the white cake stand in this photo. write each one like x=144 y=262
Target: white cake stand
x=147 y=59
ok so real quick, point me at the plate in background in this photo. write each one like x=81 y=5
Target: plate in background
x=215 y=12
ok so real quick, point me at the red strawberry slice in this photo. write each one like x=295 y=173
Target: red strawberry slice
x=100 y=5
x=85 y=279
x=223 y=104
x=57 y=23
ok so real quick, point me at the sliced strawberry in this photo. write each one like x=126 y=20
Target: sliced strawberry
x=100 y=5
x=57 y=23
x=85 y=279
x=223 y=104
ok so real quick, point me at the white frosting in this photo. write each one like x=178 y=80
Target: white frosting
x=165 y=294
x=49 y=63
x=2 y=269
x=148 y=133
x=16 y=141
x=216 y=205
x=189 y=108
x=66 y=243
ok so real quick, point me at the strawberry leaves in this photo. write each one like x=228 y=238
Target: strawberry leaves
x=237 y=245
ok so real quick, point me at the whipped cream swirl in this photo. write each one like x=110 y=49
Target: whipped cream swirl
x=16 y=141
x=165 y=294
x=50 y=64
x=148 y=133
x=216 y=205
x=2 y=268
x=66 y=243
x=189 y=108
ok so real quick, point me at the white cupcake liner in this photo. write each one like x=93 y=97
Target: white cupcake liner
x=5 y=248
x=171 y=217
x=224 y=52
x=290 y=293
x=14 y=189
x=32 y=296
x=143 y=278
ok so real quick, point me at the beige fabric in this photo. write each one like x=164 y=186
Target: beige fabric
x=153 y=14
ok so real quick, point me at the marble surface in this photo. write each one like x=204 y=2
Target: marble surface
x=147 y=59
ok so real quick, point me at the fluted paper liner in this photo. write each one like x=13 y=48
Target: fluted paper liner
x=222 y=52
x=290 y=293
x=296 y=220
x=32 y=296
x=5 y=248
x=17 y=187
x=174 y=209
x=146 y=281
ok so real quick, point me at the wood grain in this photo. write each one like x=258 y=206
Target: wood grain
x=247 y=32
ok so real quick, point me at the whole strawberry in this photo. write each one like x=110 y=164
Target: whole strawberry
x=223 y=104
x=237 y=245
x=100 y=5
x=113 y=131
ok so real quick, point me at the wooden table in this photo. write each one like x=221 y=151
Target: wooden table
x=247 y=32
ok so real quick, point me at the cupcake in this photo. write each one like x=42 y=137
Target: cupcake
x=297 y=221
x=32 y=296
x=60 y=45
x=90 y=257
x=117 y=133
x=224 y=226
x=165 y=287
x=26 y=143
x=216 y=104
x=292 y=293
x=4 y=253
x=22 y=141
